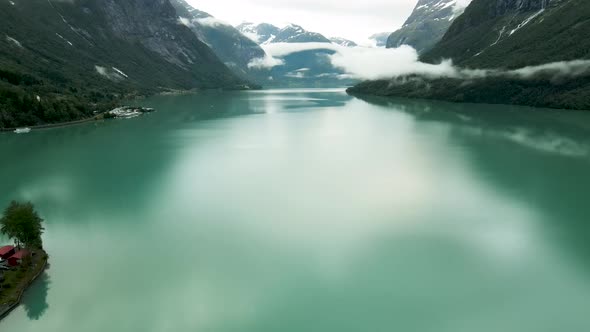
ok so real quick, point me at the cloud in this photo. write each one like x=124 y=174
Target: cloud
x=211 y=22
x=205 y=21
x=112 y=74
x=557 y=70
x=460 y=6
x=185 y=21
x=284 y=49
x=369 y=63
x=351 y=19
x=266 y=62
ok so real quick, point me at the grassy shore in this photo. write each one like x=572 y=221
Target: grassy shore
x=18 y=280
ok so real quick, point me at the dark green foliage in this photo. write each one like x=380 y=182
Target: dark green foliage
x=558 y=34
x=22 y=224
x=541 y=92
x=51 y=49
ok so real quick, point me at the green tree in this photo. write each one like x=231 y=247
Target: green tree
x=22 y=224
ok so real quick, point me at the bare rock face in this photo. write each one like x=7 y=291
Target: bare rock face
x=231 y=46
x=153 y=24
x=426 y=25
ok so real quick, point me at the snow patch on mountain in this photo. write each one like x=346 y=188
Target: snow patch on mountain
x=14 y=41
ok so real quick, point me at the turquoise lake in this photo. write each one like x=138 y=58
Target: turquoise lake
x=308 y=210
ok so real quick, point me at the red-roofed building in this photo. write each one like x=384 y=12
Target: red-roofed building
x=6 y=252
x=17 y=258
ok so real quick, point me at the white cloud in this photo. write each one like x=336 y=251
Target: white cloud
x=266 y=62
x=283 y=49
x=460 y=5
x=211 y=22
x=185 y=21
x=368 y=63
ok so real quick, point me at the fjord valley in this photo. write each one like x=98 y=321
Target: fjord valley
x=170 y=165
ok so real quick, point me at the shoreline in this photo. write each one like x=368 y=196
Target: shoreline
x=96 y=117
x=4 y=312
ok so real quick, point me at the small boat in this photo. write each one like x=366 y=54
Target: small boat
x=23 y=130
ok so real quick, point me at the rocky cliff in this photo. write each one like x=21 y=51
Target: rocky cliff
x=229 y=44
x=426 y=25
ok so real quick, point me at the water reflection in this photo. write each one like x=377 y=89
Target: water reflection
x=35 y=299
x=307 y=211
x=543 y=161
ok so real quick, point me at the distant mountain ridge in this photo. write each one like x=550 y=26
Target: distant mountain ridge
x=343 y=42
x=265 y=33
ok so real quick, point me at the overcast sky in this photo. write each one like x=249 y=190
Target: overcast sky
x=355 y=20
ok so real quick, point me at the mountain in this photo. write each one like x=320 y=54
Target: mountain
x=293 y=33
x=426 y=25
x=231 y=46
x=343 y=42
x=262 y=33
x=380 y=39
x=517 y=33
x=509 y=36
x=303 y=68
x=267 y=33
x=64 y=60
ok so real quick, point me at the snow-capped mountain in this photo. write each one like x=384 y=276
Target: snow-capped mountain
x=265 y=33
x=232 y=47
x=306 y=67
x=427 y=24
x=343 y=42
x=262 y=33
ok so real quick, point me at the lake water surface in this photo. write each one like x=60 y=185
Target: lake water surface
x=309 y=210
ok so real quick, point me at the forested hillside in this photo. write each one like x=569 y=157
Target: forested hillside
x=65 y=60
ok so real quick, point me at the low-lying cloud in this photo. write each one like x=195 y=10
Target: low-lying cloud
x=205 y=21
x=366 y=63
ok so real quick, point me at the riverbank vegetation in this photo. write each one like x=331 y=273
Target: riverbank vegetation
x=26 y=100
x=22 y=224
x=537 y=92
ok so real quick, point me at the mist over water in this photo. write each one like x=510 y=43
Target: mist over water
x=309 y=210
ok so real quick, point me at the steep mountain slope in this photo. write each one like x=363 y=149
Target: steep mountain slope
x=62 y=60
x=233 y=48
x=508 y=35
x=426 y=25
x=517 y=33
